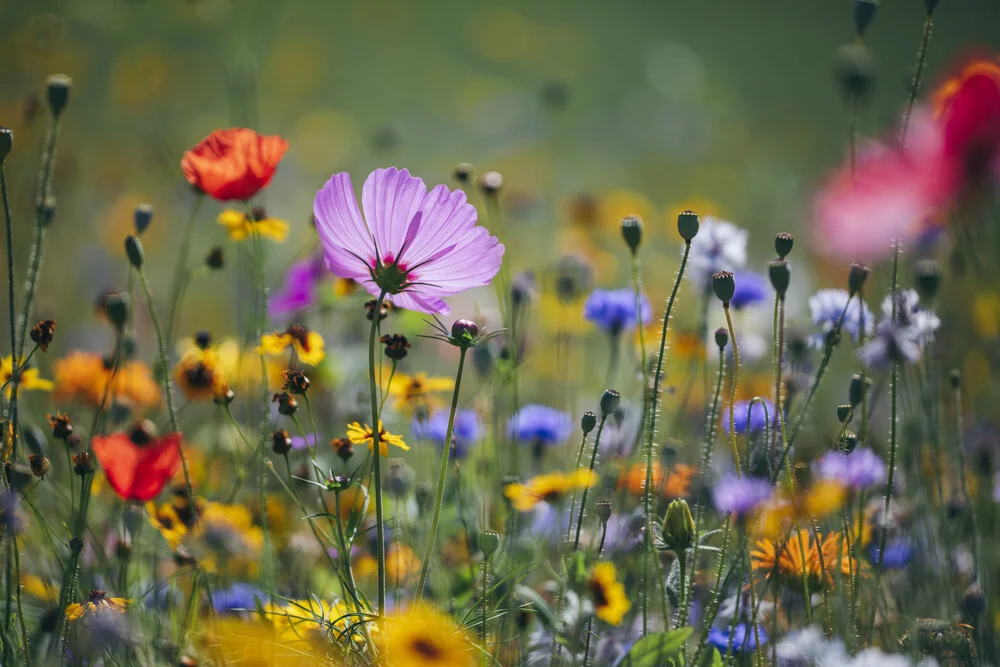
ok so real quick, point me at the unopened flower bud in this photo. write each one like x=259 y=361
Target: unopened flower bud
x=632 y=232
x=43 y=333
x=931 y=5
x=423 y=493
x=678 y=526
x=203 y=340
x=844 y=413
x=463 y=172
x=928 y=279
x=143 y=218
x=588 y=422
x=6 y=142
x=603 y=510
x=489 y=542
x=687 y=225
x=343 y=448
x=864 y=14
x=856 y=278
x=781 y=275
x=117 y=307
x=215 y=259
x=133 y=248
x=47 y=211
x=83 y=464
x=850 y=441
x=856 y=392
x=973 y=602
x=491 y=183
x=62 y=426
x=610 y=400
x=287 y=405
x=39 y=465
x=281 y=442
x=464 y=331
x=721 y=338
x=724 y=286
x=783 y=243
x=855 y=72
x=58 y=86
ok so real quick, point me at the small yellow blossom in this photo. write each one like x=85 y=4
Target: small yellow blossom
x=548 y=488
x=358 y=435
x=240 y=227
x=166 y=520
x=199 y=376
x=610 y=602
x=39 y=588
x=308 y=345
x=424 y=637
x=96 y=603
x=30 y=378
x=412 y=391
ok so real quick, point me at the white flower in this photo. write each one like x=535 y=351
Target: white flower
x=826 y=306
x=718 y=246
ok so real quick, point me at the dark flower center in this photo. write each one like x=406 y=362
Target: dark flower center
x=199 y=376
x=597 y=590
x=426 y=648
x=300 y=334
x=97 y=595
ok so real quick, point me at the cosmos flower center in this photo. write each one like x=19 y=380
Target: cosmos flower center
x=390 y=274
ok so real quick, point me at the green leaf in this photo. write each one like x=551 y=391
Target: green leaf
x=660 y=650
x=712 y=659
x=546 y=615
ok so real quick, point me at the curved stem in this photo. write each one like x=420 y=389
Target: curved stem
x=583 y=501
x=442 y=475
x=377 y=454
x=732 y=390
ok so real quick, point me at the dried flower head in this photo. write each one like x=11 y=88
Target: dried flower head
x=42 y=334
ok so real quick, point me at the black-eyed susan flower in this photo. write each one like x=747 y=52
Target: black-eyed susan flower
x=30 y=378
x=199 y=376
x=241 y=227
x=359 y=435
x=97 y=602
x=548 y=488
x=167 y=522
x=308 y=345
x=799 y=556
x=424 y=637
x=413 y=391
x=610 y=602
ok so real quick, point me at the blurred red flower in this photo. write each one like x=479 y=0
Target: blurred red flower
x=233 y=164
x=138 y=470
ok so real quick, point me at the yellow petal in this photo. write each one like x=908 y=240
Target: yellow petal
x=272 y=228
x=274 y=344
x=315 y=354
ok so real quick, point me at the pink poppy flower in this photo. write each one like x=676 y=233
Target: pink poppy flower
x=415 y=245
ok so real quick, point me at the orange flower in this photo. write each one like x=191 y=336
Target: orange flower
x=138 y=465
x=676 y=485
x=84 y=376
x=234 y=163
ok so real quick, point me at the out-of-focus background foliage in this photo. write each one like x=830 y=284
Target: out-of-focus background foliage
x=728 y=107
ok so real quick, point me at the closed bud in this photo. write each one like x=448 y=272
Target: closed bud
x=58 y=86
x=133 y=248
x=781 y=275
x=603 y=510
x=610 y=400
x=724 y=286
x=844 y=413
x=215 y=259
x=491 y=183
x=281 y=442
x=39 y=465
x=118 y=309
x=974 y=601
x=463 y=173
x=678 y=526
x=143 y=218
x=687 y=225
x=850 y=441
x=464 y=331
x=287 y=405
x=856 y=392
x=47 y=211
x=203 y=340
x=783 y=243
x=6 y=142
x=588 y=422
x=632 y=232
x=83 y=464
x=424 y=495
x=856 y=277
x=931 y=5
x=928 y=279
x=864 y=14
x=721 y=338
x=489 y=542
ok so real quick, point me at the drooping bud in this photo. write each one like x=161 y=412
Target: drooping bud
x=43 y=333
x=58 y=86
x=610 y=400
x=632 y=232
x=678 y=526
x=783 y=243
x=588 y=422
x=781 y=275
x=687 y=225
x=856 y=277
x=724 y=286
x=721 y=338
x=39 y=465
x=133 y=248
x=489 y=542
x=928 y=279
x=143 y=217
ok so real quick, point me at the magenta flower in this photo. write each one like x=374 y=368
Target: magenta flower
x=415 y=245
x=299 y=289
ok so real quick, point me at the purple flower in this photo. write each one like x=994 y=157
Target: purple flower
x=10 y=516
x=466 y=432
x=826 y=306
x=898 y=555
x=743 y=636
x=614 y=310
x=756 y=413
x=751 y=288
x=539 y=425
x=237 y=597
x=416 y=245
x=299 y=442
x=861 y=469
x=299 y=289
x=893 y=342
x=740 y=495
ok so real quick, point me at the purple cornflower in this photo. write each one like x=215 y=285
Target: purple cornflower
x=466 y=432
x=826 y=305
x=237 y=597
x=614 y=310
x=743 y=636
x=299 y=289
x=416 y=245
x=757 y=413
x=540 y=426
x=751 y=288
x=740 y=495
x=861 y=469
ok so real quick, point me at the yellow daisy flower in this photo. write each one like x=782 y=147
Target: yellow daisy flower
x=39 y=588
x=418 y=390
x=97 y=602
x=30 y=378
x=358 y=435
x=424 y=637
x=166 y=520
x=308 y=345
x=199 y=376
x=240 y=227
x=548 y=488
x=610 y=602
x=783 y=557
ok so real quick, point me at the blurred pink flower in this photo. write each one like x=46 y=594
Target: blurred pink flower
x=416 y=245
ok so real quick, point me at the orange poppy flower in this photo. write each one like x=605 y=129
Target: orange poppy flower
x=233 y=164
x=138 y=465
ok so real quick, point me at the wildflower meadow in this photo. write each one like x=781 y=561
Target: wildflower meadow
x=387 y=333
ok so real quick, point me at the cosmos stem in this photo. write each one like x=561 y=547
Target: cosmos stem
x=442 y=476
x=377 y=466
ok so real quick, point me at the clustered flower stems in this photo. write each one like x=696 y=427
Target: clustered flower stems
x=377 y=458
x=442 y=476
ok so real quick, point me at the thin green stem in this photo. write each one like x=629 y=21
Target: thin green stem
x=732 y=390
x=713 y=605
x=583 y=501
x=181 y=272
x=377 y=454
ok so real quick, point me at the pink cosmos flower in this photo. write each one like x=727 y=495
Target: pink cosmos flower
x=415 y=245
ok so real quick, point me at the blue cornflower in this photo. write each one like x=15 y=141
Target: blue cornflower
x=893 y=342
x=740 y=495
x=826 y=305
x=238 y=596
x=466 y=431
x=614 y=310
x=540 y=426
x=719 y=246
x=743 y=637
x=898 y=554
x=757 y=413
x=10 y=518
x=751 y=288
x=861 y=469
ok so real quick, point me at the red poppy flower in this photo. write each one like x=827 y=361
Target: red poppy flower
x=968 y=105
x=138 y=469
x=233 y=164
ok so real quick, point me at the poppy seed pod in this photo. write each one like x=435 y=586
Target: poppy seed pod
x=781 y=275
x=489 y=542
x=854 y=71
x=864 y=14
x=603 y=508
x=721 y=338
x=133 y=248
x=58 y=86
x=724 y=286
x=856 y=277
x=632 y=232
x=463 y=172
x=678 y=526
x=6 y=142
x=610 y=400
x=783 y=243
x=588 y=422
x=143 y=217
x=687 y=225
